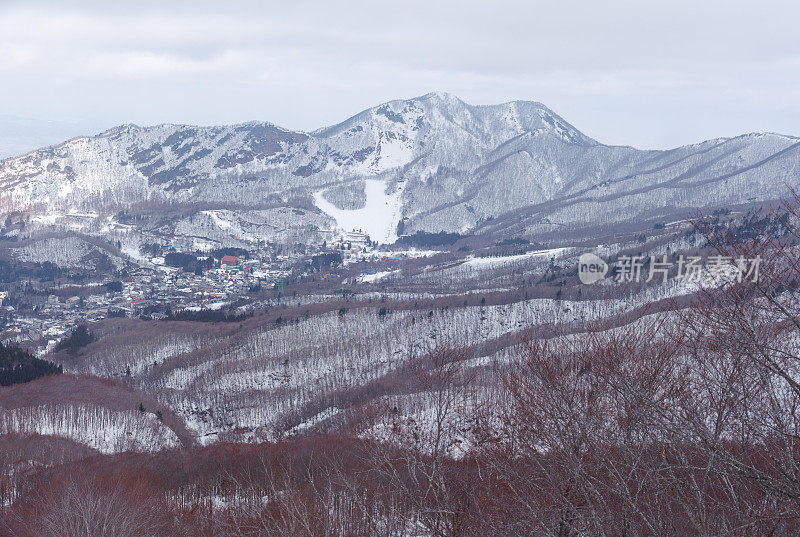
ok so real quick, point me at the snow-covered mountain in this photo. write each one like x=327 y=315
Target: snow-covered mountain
x=430 y=163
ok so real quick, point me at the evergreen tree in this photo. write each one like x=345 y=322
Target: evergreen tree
x=18 y=366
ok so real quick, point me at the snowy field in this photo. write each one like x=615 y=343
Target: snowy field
x=378 y=218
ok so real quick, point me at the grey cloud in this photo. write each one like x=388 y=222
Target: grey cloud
x=654 y=74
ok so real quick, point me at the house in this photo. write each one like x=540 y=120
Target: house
x=228 y=260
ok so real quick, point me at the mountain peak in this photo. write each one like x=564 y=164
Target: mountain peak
x=441 y=96
x=438 y=161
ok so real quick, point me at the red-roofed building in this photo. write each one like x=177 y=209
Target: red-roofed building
x=228 y=260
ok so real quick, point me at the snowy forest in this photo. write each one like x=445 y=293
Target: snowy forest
x=669 y=412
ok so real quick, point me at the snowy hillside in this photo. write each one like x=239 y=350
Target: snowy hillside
x=433 y=162
x=97 y=413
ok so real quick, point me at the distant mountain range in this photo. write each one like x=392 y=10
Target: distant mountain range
x=430 y=163
x=20 y=134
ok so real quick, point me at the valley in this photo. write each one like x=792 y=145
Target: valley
x=405 y=283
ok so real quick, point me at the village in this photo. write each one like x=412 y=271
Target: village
x=152 y=288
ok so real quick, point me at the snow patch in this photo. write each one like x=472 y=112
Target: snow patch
x=494 y=261
x=379 y=216
x=371 y=278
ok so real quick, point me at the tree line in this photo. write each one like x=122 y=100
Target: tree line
x=683 y=423
x=18 y=366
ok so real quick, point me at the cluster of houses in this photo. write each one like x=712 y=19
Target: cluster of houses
x=353 y=245
x=144 y=290
x=151 y=288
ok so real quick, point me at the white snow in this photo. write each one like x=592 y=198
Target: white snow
x=493 y=261
x=219 y=222
x=49 y=218
x=67 y=251
x=104 y=430
x=393 y=153
x=209 y=306
x=371 y=278
x=379 y=216
x=132 y=251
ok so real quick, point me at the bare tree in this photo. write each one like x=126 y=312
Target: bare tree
x=84 y=506
x=417 y=465
x=745 y=355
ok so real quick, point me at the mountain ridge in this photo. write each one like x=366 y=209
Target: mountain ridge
x=320 y=130
x=443 y=164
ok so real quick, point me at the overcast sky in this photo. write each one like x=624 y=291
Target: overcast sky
x=648 y=74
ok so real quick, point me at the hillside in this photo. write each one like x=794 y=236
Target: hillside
x=430 y=163
x=18 y=366
x=100 y=414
